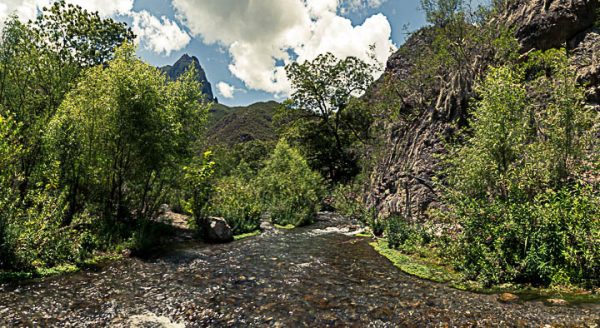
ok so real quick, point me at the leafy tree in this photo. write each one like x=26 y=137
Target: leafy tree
x=78 y=36
x=322 y=115
x=39 y=63
x=122 y=135
x=236 y=200
x=288 y=189
x=516 y=187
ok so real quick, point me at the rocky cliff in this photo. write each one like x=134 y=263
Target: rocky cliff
x=401 y=181
x=181 y=65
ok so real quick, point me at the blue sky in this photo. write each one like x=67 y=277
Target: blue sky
x=243 y=45
x=403 y=15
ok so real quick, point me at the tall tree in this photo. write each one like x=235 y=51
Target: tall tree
x=324 y=113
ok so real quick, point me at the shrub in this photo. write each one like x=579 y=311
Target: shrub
x=347 y=201
x=550 y=240
x=235 y=199
x=516 y=186
x=288 y=190
x=405 y=235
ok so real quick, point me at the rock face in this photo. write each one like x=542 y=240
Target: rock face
x=585 y=50
x=545 y=24
x=180 y=67
x=218 y=231
x=401 y=180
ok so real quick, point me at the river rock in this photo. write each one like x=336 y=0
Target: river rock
x=556 y=302
x=164 y=209
x=508 y=298
x=218 y=230
x=266 y=226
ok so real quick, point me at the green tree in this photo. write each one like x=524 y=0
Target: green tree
x=516 y=187
x=39 y=63
x=122 y=136
x=322 y=115
x=78 y=36
x=287 y=188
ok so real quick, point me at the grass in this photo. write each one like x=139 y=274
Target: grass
x=247 y=235
x=94 y=262
x=425 y=267
x=425 y=264
x=286 y=227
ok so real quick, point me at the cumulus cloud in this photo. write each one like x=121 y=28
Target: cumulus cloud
x=24 y=9
x=263 y=36
x=226 y=90
x=159 y=35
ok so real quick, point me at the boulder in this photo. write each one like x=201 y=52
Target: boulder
x=266 y=226
x=585 y=53
x=218 y=231
x=164 y=209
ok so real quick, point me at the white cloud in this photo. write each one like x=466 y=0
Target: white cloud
x=226 y=90
x=260 y=35
x=24 y=9
x=159 y=35
x=357 y=5
x=28 y=9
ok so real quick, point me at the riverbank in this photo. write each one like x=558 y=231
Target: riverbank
x=425 y=264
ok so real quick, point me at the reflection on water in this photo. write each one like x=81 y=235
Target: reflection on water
x=313 y=276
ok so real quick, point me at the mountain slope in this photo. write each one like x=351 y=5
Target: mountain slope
x=232 y=125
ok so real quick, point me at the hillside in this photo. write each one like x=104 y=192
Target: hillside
x=231 y=125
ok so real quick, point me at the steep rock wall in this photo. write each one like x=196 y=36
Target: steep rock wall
x=401 y=179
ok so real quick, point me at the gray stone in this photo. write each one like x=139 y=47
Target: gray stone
x=218 y=231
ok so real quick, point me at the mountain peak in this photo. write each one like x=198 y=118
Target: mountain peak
x=181 y=65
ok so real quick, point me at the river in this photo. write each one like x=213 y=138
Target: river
x=315 y=276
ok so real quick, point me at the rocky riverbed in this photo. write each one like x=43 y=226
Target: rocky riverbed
x=315 y=276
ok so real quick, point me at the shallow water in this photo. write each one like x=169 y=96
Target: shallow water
x=313 y=276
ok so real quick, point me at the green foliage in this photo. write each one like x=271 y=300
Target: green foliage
x=39 y=63
x=515 y=186
x=323 y=117
x=550 y=240
x=79 y=36
x=83 y=166
x=288 y=189
x=405 y=235
x=199 y=186
x=121 y=135
x=235 y=199
x=251 y=153
x=347 y=201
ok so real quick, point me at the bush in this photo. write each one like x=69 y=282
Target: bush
x=347 y=201
x=235 y=199
x=516 y=187
x=405 y=235
x=288 y=190
x=552 y=240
